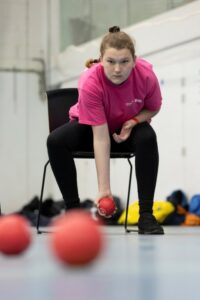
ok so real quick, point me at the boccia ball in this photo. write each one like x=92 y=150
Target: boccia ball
x=106 y=207
x=77 y=239
x=15 y=235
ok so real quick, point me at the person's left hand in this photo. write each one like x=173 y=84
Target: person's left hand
x=125 y=132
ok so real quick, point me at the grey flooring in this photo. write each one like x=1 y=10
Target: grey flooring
x=131 y=266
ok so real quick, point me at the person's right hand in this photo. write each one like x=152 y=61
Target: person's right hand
x=101 y=196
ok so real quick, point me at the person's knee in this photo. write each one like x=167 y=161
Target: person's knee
x=51 y=142
x=150 y=137
x=57 y=141
x=147 y=138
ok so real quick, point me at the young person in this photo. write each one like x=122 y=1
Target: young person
x=118 y=96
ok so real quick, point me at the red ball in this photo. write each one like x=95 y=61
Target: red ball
x=106 y=207
x=78 y=239
x=15 y=234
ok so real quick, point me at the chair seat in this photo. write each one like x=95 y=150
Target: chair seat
x=89 y=155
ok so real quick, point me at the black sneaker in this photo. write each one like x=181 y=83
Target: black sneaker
x=148 y=224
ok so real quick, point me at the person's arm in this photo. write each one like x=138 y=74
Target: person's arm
x=143 y=116
x=101 y=141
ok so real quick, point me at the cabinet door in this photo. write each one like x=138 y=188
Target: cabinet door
x=192 y=126
x=169 y=128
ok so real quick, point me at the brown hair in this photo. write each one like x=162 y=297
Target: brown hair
x=114 y=39
x=117 y=39
x=89 y=62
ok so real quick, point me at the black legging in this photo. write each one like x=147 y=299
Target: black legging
x=77 y=137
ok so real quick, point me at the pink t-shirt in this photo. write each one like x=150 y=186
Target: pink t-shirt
x=100 y=101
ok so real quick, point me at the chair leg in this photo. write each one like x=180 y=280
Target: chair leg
x=41 y=197
x=128 y=195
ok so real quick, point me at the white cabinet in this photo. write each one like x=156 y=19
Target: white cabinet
x=168 y=125
x=192 y=126
x=178 y=128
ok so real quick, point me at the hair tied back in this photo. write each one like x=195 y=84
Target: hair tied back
x=114 y=29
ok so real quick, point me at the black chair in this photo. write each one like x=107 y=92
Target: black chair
x=59 y=103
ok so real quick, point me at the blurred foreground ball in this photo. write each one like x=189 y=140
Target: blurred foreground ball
x=15 y=234
x=106 y=207
x=77 y=239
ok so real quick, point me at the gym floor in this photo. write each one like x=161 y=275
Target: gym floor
x=131 y=267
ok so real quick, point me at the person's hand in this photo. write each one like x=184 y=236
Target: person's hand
x=125 y=132
x=101 y=196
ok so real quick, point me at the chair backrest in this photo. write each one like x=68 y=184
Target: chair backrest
x=59 y=103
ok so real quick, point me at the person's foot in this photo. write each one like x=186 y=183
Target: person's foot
x=148 y=224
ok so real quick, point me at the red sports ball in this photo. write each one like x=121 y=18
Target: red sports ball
x=15 y=234
x=106 y=207
x=77 y=239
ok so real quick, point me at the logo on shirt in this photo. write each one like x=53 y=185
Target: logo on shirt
x=138 y=100
x=131 y=102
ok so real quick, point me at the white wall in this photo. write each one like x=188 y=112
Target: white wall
x=171 y=42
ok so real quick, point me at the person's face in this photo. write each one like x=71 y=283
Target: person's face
x=117 y=64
